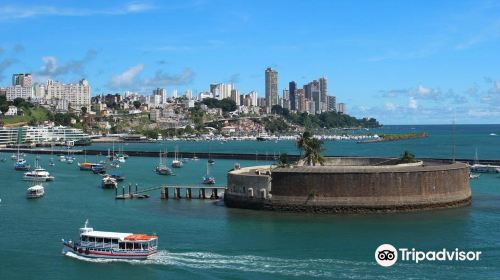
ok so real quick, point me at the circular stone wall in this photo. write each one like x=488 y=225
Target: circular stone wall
x=352 y=188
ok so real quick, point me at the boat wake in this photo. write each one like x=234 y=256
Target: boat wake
x=248 y=263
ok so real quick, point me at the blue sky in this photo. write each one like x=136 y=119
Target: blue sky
x=402 y=62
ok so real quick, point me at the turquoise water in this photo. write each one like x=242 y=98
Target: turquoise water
x=438 y=144
x=203 y=239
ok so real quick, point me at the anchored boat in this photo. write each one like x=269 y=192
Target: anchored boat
x=112 y=245
x=35 y=191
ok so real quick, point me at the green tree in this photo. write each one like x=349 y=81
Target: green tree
x=84 y=110
x=137 y=104
x=283 y=160
x=312 y=149
x=407 y=157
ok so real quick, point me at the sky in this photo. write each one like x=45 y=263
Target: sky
x=402 y=62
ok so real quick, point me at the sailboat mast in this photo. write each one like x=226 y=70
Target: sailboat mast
x=453 y=142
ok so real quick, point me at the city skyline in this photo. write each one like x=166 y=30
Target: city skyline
x=443 y=69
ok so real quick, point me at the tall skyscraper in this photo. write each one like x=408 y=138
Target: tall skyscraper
x=292 y=86
x=300 y=100
x=314 y=87
x=331 y=103
x=235 y=96
x=307 y=91
x=323 y=88
x=271 y=88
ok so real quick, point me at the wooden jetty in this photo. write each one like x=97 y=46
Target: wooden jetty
x=176 y=192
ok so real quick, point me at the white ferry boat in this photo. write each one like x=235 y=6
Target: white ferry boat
x=112 y=245
x=35 y=191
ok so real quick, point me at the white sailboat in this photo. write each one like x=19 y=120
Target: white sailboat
x=176 y=163
x=483 y=168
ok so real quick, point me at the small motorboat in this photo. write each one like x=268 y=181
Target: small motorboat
x=62 y=158
x=109 y=183
x=117 y=177
x=21 y=165
x=98 y=168
x=163 y=170
x=211 y=161
x=35 y=191
x=112 y=245
x=474 y=176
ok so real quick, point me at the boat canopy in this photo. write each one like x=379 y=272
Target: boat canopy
x=106 y=234
x=36 y=188
x=140 y=237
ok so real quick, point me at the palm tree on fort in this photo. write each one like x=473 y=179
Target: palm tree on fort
x=312 y=149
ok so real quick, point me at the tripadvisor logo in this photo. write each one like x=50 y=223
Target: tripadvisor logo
x=387 y=255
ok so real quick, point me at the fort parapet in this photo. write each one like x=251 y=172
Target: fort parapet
x=350 y=185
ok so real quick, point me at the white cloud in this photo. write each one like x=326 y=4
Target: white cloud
x=127 y=78
x=412 y=103
x=390 y=107
x=25 y=11
x=483 y=113
x=423 y=90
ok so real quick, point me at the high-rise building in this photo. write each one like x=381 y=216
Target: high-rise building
x=235 y=96
x=307 y=91
x=221 y=90
x=188 y=94
x=18 y=91
x=271 y=88
x=323 y=88
x=292 y=86
x=261 y=102
x=253 y=97
x=330 y=103
x=285 y=100
x=77 y=95
x=315 y=96
x=341 y=108
x=174 y=93
x=159 y=96
x=21 y=87
x=23 y=80
x=300 y=100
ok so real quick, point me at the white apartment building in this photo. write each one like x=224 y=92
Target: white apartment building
x=78 y=95
x=18 y=91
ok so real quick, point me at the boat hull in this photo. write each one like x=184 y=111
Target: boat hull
x=110 y=254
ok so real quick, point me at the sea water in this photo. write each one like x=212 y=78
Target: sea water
x=201 y=239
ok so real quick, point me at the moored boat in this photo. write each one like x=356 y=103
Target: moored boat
x=161 y=168
x=21 y=165
x=38 y=174
x=85 y=166
x=207 y=179
x=112 y=245
x=109 y=182
x=35 y=191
